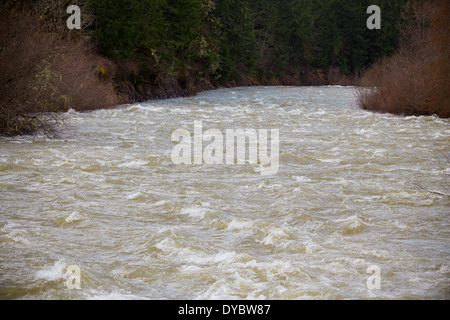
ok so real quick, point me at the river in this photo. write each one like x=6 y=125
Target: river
x=107 y=198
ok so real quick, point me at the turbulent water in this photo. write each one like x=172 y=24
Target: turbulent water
x=109 y=199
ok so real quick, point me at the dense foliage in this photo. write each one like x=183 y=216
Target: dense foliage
x=132 y=50
x=414 y=80
x=233 y=40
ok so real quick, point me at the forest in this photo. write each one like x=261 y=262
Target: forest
x=136 y=50
x=196 y=43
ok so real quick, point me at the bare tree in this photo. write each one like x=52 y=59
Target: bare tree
x=444 y=189
x=46 y=71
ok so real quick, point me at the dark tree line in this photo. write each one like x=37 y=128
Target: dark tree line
x=132 y=50
x=227 y=41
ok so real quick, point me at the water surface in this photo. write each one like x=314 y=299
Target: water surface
x=108 y=199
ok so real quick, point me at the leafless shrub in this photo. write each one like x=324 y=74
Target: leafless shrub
x=413 y=81
x=43 y=72
x=443 y=190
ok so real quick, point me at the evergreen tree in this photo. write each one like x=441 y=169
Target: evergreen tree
x=128 y=27
x=230 y=40
x=237 y=39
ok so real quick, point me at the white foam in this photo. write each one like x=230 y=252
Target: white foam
x=352 y=224
x=133 y=164
x=113 y=295
x=53 y=272
x=133 y=108
x=160 y=203
x=180 y=110
x=239 y=224
x=400 y=225
x=135 y=196
x=155 y=109
x=275 y=236
x=189 y=268
x=195 y=212
x=72 y=111
x=301 y=179
x=167 y=245
x=276 y=267
x=329 y=160
x=379 y=152
x=14 y=232
x=194 y=258
x=319 y=113
x=204 y=259
x=232 y=287
x=75 y=216
x=243 y=280
x=312 y=247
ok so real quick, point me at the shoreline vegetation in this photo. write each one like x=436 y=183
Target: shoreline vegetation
x=131 y=51
x=414 y=80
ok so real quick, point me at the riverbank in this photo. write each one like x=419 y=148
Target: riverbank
x=48 y=71
x=134 y=89
x=414 y=81
x=48 y=68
